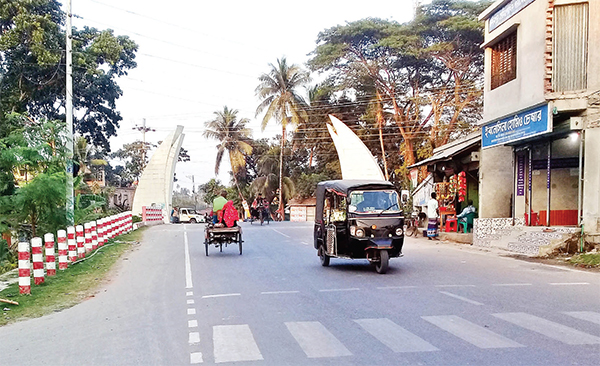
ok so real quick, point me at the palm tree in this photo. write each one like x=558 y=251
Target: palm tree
x=279 y=96
x=231 y=134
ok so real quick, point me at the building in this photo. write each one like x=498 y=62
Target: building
x=541 y=125
x=302 y=209
x=449 y=164
x=122 y=198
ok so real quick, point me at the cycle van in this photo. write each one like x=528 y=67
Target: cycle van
x=358 y=219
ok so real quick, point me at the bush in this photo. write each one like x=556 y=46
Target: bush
x=7 y=258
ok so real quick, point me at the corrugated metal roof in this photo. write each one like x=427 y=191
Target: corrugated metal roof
x=451 y=149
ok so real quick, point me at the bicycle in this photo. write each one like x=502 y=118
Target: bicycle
x=413 y=224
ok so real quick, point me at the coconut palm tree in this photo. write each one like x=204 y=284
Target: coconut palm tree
x=232 y=135
x=278 y=92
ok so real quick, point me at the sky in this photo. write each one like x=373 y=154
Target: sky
x=197 y=56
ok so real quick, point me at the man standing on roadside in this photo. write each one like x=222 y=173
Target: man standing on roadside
x=218 y=204
x=432 y=214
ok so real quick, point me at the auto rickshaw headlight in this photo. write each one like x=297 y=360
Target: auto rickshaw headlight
x=360 y=233
x=399 y=231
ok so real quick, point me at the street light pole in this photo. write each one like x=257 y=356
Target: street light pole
x=69 y=117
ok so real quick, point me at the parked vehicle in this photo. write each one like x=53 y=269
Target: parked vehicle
x=190 y=215
x=358 y=219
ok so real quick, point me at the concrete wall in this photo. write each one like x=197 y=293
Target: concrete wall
x=593 y=42
x=496 y=179
x=528 y=88
x=591 y=192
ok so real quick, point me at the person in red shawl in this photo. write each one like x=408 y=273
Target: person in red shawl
x=228 y=215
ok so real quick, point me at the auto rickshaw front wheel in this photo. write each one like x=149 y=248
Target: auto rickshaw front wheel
x=384 y=260
x=323 y=256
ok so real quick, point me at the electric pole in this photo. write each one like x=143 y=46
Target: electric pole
x=143 y=129
x=69 y=116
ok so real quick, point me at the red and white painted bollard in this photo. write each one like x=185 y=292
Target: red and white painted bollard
x=94 y=233
x=37 y=258
x=63 y=253
x=111 y=227
x=88 y=237
x=24 y=268
x=80 y=241
x=50 y=255
x=100 y=230
x=71 y=244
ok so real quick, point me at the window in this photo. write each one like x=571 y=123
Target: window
x=504 y=60
x=570 y=39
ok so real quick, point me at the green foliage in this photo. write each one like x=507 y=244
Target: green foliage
x=89 y=207
x=32 y=42
x=8 y=259
x=135 y=157
x=306 y=184
x=211 y=189
x=42 y=203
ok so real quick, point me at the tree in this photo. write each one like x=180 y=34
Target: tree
x=134 y=156
x=39 y=149
x=32 y=60
x=278 y=92
x=233 y=136
x=429 y=66
x=211 y=190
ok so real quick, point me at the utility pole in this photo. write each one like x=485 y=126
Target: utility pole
x=69 y=116
x=143 y=129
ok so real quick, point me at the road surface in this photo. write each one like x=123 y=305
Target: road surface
x=441 y=304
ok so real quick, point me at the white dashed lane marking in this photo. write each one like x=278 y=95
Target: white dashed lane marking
x=461 y=298
x=220 y=295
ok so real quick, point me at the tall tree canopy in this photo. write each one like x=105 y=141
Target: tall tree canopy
x=32 y=69
x=426 y=73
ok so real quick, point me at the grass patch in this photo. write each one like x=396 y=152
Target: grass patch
x=589 y=260
x=68 y=287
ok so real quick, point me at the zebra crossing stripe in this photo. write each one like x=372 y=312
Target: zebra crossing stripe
x=234 y=343
x=316 y=341
x=550 y=329
x=589 y=316
x=394 y=336
x=472 y=333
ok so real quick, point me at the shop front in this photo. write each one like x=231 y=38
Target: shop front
x=454 y=176
x=547 y=151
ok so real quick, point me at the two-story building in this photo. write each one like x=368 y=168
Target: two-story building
x=540 y=157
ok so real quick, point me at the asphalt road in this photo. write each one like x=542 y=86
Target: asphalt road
x=441 y=304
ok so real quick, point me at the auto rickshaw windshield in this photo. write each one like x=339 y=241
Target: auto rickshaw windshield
x=374 y=201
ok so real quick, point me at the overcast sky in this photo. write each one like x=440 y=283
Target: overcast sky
x=197 y=56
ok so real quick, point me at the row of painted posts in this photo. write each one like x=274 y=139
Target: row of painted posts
x=73 y=244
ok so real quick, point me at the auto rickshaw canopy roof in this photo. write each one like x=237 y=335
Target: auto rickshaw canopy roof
x=343 y=187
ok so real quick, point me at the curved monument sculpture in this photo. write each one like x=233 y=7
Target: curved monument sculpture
x=156 y=184
x=356 y=161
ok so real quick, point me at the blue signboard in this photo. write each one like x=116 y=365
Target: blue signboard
x=532 y=122
x=506 y=12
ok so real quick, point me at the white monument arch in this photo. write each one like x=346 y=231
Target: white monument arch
x=156 y=184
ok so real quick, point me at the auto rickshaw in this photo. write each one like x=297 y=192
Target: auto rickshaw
x=358 y=219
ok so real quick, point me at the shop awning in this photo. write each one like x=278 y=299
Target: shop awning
x=446 y=152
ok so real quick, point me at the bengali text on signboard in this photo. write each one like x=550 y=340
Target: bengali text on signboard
x=522 y=125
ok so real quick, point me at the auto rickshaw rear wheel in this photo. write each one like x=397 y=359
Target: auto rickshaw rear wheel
x=323 y=256
x=384 y=260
